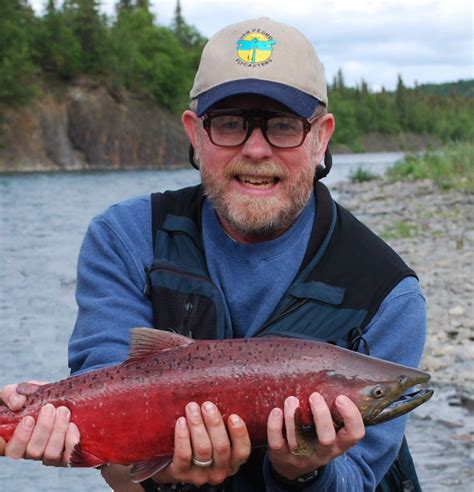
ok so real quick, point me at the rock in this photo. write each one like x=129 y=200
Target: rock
x=88 y=127
x=456 y=311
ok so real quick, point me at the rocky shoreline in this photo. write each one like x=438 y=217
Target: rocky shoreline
x=434 y=232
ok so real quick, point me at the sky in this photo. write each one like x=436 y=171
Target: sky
x=425 y=41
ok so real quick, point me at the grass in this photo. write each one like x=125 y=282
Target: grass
x=360 y=175
x=401 y=230
x=451 y=168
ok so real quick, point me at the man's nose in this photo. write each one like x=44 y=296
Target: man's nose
x=256 y=147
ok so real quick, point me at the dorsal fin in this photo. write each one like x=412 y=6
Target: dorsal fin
x=148 y=341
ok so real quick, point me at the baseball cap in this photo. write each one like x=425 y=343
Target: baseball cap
x=260 y=56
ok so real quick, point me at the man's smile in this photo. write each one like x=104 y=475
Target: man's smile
x=257 y=182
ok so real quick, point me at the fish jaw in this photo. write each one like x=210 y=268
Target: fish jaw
x=391 y=399
x=404 y=404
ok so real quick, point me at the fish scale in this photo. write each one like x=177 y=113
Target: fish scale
x=126 y=413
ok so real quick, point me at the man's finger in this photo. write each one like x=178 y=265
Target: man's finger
x=53 y=454
x=16 y=446
x=41 y=433
x=240 y=439
x=217 y=432
x=182 y=447
x=354 y=429
x=276 y=441
x=200 y=442
x=323 y=420
x=11 y=398
x=289 y=408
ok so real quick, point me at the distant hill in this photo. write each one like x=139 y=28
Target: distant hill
x=460 y=88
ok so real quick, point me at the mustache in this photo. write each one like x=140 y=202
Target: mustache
x=245 y=167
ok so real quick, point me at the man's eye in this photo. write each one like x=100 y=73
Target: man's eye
x=227 y=123
x=283 y=125
x=231 y=124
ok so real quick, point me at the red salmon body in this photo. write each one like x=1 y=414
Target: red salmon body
x=126 y=413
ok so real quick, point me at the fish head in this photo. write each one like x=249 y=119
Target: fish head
x=385 y=399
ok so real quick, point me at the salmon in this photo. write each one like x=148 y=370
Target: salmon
x=126 y=413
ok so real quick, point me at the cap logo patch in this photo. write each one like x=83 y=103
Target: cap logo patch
x=255 y=48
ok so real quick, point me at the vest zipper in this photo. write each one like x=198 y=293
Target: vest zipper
x=296 y=304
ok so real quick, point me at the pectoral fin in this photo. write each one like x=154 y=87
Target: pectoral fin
x=305 y=436
x=141 y=470
x=83 y=458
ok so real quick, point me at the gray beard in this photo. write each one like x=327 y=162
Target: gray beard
x=263 y=218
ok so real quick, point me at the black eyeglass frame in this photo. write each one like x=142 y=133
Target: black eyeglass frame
x=256 y=119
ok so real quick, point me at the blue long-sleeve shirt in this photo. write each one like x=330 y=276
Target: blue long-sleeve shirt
x=110 y=284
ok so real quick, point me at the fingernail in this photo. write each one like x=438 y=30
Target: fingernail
x=48 y=409
x=275 y=413
x=316 y=398
x=181 y=423
x=209 y=408
x=63 y=412
x=235 y=420
x=17 y=400
x=342 y=400
x=28 y=422
x=193 y=409
x=292 y=401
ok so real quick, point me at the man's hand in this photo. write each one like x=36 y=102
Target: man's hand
x=202 y=435
x=329 y=443
x=51 y=438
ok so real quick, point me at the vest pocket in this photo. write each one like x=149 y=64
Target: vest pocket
x=183 y=302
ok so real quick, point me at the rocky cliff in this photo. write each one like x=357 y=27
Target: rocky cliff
x=85 y=126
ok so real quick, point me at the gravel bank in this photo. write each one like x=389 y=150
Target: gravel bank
x=434 y=232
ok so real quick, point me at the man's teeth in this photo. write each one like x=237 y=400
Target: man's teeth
x=256 y=181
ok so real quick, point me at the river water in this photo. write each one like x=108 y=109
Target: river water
x=43 y=219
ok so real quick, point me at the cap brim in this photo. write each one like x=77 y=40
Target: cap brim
x=297 y=101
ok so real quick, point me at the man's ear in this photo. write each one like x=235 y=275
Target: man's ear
x=189 y=120
x=326 y=126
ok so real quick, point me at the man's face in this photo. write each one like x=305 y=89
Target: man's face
x=257 y=190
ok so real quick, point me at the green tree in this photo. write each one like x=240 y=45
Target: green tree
x=57 y=48
x=401 y=102
x=17 y=68
x=90 y=29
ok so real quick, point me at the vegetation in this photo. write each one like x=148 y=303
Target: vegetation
x=450 y=168
x=359 y=111
x=401 y=229
x=131 y=50
x=75 y=39
x=361 y=174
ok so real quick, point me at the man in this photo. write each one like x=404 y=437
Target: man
x=259 y=249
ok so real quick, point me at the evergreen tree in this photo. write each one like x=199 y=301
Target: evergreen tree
x=401 y=102
x=17 y=68
x=57 y=49
x=90 y=29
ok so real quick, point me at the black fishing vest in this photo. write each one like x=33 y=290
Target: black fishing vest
x=346 y=273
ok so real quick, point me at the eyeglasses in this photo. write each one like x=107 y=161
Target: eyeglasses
x=233 y=127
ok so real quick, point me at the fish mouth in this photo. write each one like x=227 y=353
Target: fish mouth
x=404 y=404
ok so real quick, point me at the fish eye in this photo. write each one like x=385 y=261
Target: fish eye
x=378 y=392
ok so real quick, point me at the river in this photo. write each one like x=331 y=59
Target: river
x=43 y=219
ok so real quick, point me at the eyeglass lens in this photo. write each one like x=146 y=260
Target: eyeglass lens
x=280 y=131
